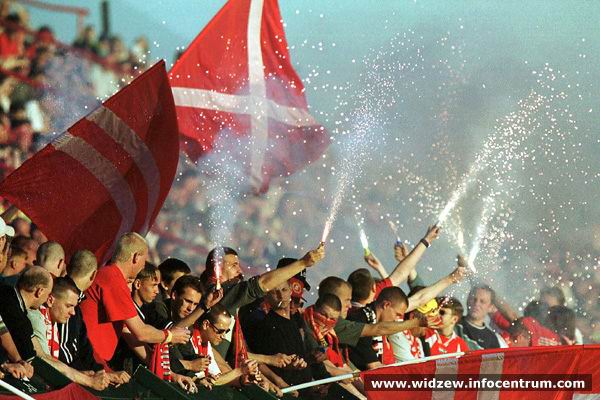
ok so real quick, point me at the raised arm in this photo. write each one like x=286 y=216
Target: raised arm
x=505 y=309
x=389 y=328
x=404 y=267
x=373 y=262
x=210 y=300
x=276 y=277
x=430 y=292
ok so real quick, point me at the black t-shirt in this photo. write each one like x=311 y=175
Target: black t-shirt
x=14 y=315
x=124 y=358
x=363 y=353
x=484 y=336
x=251 y=317
x=281 y=335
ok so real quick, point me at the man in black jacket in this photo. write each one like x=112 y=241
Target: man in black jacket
x=32 y=290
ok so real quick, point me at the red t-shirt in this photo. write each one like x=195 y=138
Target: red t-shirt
x=379 y=286
x=10 y=47
x=540 y=335
x=107 y=305
x=440 y=344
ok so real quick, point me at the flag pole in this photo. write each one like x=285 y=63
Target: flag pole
x=15 y=391
x=332 y=379
x=355 y=374
x=425 y=359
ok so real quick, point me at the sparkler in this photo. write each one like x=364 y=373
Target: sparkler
x=218 y=268
x=394 y=229
x=364 y=242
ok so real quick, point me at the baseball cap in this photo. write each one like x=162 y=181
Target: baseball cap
x=297 y=280
x=429 y=307
x=6 y=229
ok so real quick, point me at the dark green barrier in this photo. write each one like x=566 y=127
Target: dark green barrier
x=144 y=385
x=219 y=393
x=253 y=392
x=156 y=386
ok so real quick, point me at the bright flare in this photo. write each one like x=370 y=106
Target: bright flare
x=364 y=241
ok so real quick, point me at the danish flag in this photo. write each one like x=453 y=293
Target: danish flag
x=237 y=76
x=106 y=175
x=564 y=366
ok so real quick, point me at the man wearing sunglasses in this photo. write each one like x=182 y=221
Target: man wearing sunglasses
x=211 y=330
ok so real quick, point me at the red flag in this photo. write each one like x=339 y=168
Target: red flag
x=581 y=362
x=237 y=76
x=106 y=175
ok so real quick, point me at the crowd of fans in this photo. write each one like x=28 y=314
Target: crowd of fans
x=46 y=85
x=192 y=314
x=96 y=324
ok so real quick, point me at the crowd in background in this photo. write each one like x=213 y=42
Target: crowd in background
x=35 y=104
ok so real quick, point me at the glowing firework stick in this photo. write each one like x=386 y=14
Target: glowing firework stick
x=326 y=231
x=364 y=242
x=218 y=271
x=394 y=229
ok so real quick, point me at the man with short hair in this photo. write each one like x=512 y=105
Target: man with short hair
x=349 y=332
x=321 y=318
x=75 y=347
x=31 y=291
x=444 y=340
x=108 y=308
x=519 y=334
x=480 y=303
x=238 y=292
x=51 y=256
x=282 y=331
x=17 y=262
x=370 y=353
x=363 y=287
x=170 y=270
x=212 y=328
x=46 y=338
x=28 y=245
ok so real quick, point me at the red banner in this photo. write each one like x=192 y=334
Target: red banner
x=108 y=174
x=499 y=374
x=69 y=392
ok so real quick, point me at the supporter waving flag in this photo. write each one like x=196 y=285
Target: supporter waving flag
x=106 y=175
x=236 y=76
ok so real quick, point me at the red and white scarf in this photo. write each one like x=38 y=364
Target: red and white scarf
x=52 y=335
x=330 y=341
x=160 y=363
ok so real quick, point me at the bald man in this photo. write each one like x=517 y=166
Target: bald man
x=108 y=309
x=51 y=257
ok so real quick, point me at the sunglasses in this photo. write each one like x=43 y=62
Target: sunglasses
x=219 y=331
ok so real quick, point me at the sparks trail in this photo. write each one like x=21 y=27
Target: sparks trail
x=503 y=139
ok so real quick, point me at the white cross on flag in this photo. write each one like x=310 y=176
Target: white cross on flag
x=522 y=373
x=108 y=174
x=237 y=76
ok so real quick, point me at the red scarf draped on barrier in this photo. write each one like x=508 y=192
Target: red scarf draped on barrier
x=241 y=351
x=160 y=363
